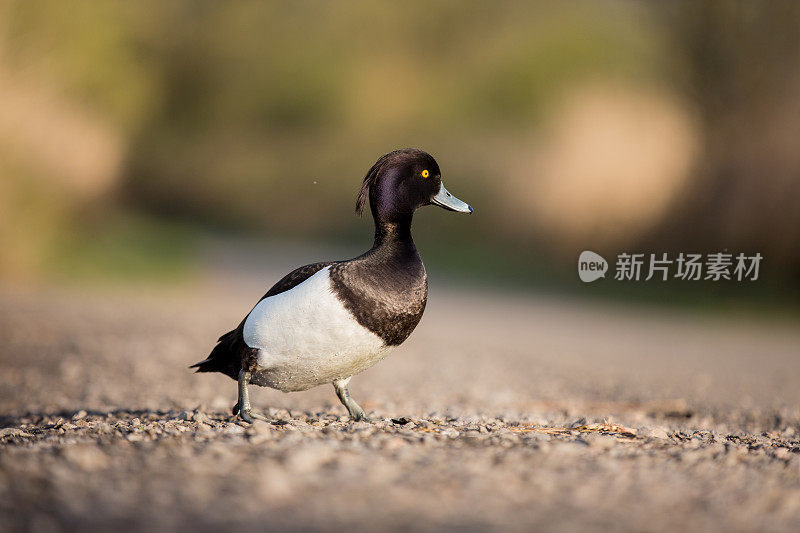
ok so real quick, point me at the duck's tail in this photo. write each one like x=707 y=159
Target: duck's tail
x=225 y=356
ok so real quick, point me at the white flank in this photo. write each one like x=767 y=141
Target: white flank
x=306 y=337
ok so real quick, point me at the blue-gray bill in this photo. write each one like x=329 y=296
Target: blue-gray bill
x=444 y=199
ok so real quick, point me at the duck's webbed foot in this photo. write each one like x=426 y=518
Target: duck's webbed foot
x=356 y=412
x=242 y=407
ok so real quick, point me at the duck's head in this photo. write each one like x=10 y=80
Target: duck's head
x=401 y=182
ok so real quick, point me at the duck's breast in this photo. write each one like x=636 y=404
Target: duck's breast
x=306 y=337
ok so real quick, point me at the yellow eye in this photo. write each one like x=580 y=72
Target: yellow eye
x=425 y=173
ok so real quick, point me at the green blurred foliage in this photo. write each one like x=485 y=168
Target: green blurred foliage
x=262 y=117
x=90 y=50
x=272 y=112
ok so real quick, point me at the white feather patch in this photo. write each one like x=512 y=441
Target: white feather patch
x=306 y=337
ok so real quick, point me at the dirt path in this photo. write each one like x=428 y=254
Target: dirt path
x=500 y=411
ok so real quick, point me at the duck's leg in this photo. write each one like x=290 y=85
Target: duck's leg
x=355 y=410
x=243 y=407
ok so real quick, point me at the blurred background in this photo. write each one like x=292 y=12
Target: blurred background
x=141 y=141
x=163 y=163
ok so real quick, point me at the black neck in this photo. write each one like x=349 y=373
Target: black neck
x=395 y=255
x=393 y=233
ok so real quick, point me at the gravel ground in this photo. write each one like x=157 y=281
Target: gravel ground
x=501 y=411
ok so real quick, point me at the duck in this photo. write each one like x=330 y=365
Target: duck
x=328 y=321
